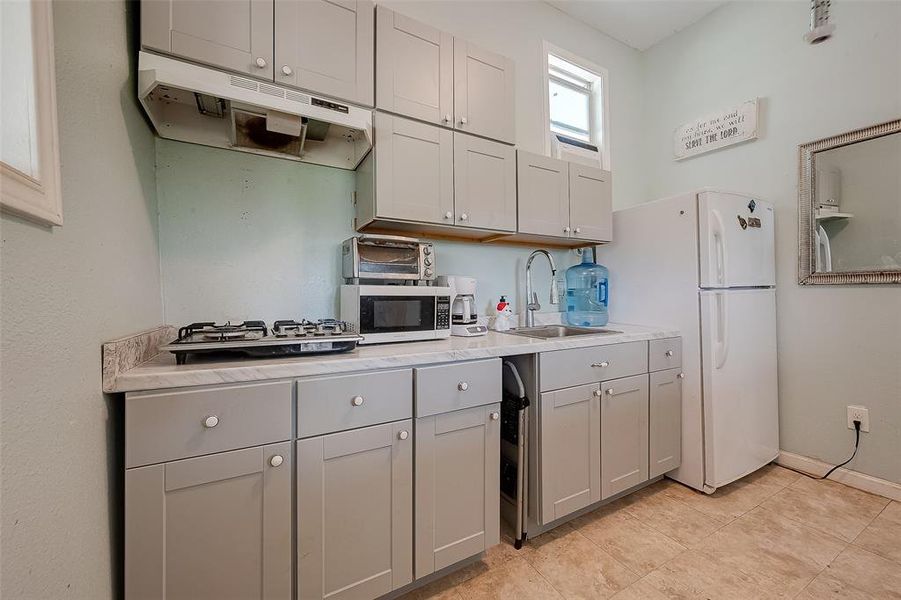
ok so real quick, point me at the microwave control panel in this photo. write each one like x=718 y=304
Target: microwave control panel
x=442 y=313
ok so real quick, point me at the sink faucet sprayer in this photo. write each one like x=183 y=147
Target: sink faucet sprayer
x=532 y=297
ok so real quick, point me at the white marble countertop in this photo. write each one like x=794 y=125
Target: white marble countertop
x=161 y=371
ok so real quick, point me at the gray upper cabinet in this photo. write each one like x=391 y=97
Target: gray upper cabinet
x=355 y=512
x=457 y=486
x=414 y=68
x=484 y=183
x=483 y=92
x=326 y=46
x=543 y=194
x=569 y=449
x=233 y=34
x=665 y=429
x=590 y=203
x=624 y=434
x=414 y=171
x=217 y=526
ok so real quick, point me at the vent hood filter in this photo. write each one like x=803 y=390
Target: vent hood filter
x=184 y=100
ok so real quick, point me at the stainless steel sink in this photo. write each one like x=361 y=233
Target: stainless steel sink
x=558 y=331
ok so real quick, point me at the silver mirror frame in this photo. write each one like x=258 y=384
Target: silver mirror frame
x=807 y=274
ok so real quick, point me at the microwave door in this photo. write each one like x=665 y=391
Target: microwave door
x=396 y=314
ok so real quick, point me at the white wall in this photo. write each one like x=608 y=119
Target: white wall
x=276 y=226
x=64 y=292
x=837 y=345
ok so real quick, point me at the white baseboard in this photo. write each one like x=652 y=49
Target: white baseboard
x=861 y=481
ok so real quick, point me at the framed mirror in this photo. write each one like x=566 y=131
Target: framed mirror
x=849 y=212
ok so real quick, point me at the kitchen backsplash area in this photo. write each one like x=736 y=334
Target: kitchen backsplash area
x=249 y=237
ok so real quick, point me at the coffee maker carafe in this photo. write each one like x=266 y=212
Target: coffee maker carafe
x=464 y=315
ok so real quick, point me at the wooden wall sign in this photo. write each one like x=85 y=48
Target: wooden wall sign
x=717 y=130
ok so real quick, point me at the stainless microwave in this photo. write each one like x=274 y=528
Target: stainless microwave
x=387 y=257
x=396 y=313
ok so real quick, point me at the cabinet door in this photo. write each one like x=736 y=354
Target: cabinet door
x=414 y=172
x=414 y=68
x=665 y=430
x=542 y=185
x=232 y=34
x=355 y=512
x=590 y=203
x=483 y=92
x=457 y=486
x=624 y=434
x=484 y=183
x=569 y=450
x=326 y=46
x=216 y=526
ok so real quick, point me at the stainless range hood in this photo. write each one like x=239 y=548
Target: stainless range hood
x=201 y=105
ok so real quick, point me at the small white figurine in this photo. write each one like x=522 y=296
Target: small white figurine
x=503 y=321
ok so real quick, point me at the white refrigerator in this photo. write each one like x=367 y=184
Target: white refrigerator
x=704 y=262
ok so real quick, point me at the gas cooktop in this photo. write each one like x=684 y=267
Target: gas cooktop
x=255 y=339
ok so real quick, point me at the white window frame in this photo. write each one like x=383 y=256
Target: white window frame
x=38 y=198
x=599 y=115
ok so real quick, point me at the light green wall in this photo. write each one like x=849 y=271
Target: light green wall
x=244 y=236
x=63 y=292
x=838 y=345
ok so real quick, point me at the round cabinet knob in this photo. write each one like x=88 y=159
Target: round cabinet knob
x=286 y=70
x=357 y=401
x=495 y=416
x=448 y=215
x=669 y=353
x=276 y=461
x=609 y=391
x=464 y=217
x=463 y=121
x=566 y=230
x=403 y=435
x=597 y=393
x=681 y=375
x=261 y=62
x=577 y=230
x=462 y=386
x=211 y=421
x=427 y=262
x=447 y=118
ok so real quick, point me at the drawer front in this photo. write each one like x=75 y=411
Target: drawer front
x=665 y=354
x=338 y=403
x=446 y=388
x=164 y=426
x=566 y=368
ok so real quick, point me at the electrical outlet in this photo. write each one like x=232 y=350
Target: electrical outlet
x=859 y=413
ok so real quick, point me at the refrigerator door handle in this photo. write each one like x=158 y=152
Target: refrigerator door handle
x=722 y=331
x=719 y=245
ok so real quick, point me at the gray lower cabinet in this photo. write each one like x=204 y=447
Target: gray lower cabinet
x=457 y=486
x=216 y=526
x=326 y=46
x=624 y=434
x=665 y=449
x=233 y=34
x=570 y=450
x=355 y=512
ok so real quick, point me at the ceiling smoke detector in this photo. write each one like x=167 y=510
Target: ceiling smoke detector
x=820 y=27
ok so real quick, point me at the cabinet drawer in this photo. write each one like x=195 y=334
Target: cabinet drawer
x=330 y=404
x=566 y=368
x=665 y=354
x=164 y=426
x=445 y=388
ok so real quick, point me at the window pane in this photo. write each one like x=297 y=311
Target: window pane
x=18 y=123
x=569 y=108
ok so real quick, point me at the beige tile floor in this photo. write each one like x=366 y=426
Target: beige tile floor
x=774 y=534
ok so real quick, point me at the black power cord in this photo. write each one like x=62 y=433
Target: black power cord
x=856 y=446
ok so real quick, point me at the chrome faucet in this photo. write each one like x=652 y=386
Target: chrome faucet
x=532 y=297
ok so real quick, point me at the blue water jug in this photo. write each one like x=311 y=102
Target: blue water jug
x=586 y=293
